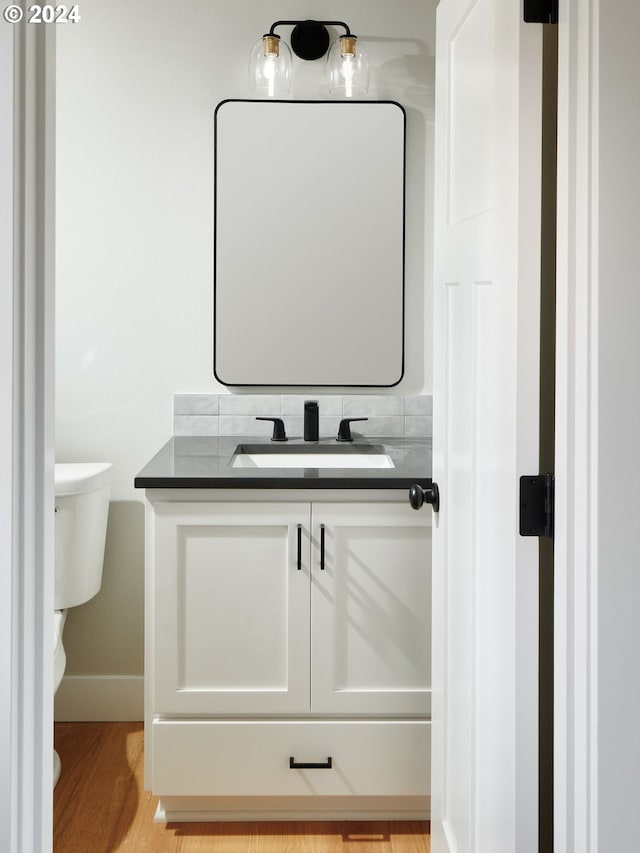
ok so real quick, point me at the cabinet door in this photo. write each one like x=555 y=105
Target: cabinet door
x=231 y=608
x=370 y=609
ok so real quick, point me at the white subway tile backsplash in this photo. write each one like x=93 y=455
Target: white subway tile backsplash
x=294 y=426
x=329 y=404
x=366 y=405
x=292 y=404
x=418 y=405
x=265 y=405
x=195 y=404
x=391 y=426
x=195 y=425
x=244 y=425
x=329 y=427
x=418 y=426
x=235 y=414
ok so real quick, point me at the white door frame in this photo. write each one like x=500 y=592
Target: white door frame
x=27 y=134
x=575 y=668
x=597 y=681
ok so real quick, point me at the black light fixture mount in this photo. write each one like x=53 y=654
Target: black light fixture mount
x=310 y=39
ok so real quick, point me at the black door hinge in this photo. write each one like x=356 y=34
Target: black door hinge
x=537 y=505
x=540 y=11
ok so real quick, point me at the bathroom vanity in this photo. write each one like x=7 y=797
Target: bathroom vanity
x=287 y=631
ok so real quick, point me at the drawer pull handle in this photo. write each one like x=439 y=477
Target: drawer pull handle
x=322 y=547
x=299 y=547
x=310 y=765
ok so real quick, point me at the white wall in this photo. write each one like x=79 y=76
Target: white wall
x=137 y=87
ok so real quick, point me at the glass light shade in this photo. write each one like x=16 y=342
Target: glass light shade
x=270 y=68
x=348 y=68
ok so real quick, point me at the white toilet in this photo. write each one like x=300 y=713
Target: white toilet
x=82 y=507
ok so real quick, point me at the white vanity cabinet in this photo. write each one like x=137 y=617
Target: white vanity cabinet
x=283 y=633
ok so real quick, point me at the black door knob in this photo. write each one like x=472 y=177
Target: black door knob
x=419 y=496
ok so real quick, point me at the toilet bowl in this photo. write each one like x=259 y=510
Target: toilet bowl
x=81 y=510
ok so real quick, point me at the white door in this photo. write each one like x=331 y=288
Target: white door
x=486 y=321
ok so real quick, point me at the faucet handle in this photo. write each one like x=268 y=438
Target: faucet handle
x=344 y=431
x=278 y=429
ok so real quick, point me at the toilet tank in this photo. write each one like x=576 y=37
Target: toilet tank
x=82 y=506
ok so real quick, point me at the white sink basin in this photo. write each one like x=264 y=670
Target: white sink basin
x=258 y=456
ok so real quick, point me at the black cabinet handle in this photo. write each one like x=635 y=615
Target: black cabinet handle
x=322 y=547
x=299 y=547
x=310 y=765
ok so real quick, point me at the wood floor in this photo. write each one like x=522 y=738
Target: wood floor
x=100 y=806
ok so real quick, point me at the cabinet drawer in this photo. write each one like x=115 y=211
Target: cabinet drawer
x=210 y=758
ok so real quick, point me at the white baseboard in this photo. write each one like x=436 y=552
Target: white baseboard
x=100 y=698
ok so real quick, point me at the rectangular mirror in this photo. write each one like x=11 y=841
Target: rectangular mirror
x=309 y=243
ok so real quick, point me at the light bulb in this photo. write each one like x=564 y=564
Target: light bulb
x=348 y=68
x=270 y=72
x=270 y=67
x=347 y=73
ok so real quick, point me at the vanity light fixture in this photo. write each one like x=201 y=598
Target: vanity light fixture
x=347 y=63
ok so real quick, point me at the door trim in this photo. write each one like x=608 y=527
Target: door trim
x=27 y=138
x=575 y=662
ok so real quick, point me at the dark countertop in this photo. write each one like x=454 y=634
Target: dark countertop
x=203 y=462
